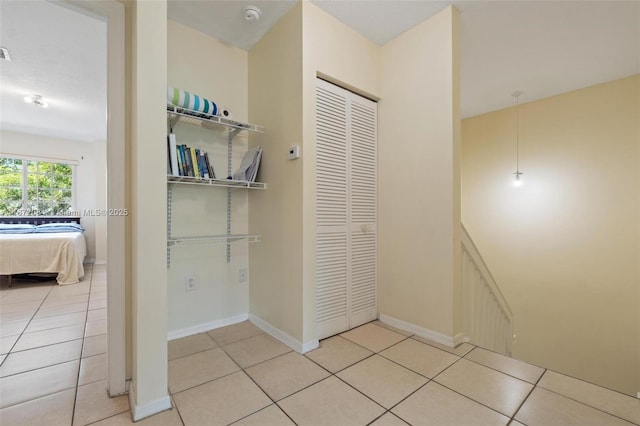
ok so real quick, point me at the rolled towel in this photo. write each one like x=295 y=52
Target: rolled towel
x=184 y=99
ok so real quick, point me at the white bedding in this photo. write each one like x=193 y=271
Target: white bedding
x=61 y=252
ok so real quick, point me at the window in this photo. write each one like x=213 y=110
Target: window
x=32 y=188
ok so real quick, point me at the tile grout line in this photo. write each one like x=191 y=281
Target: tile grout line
x=463 y=395
x=23 y=331
x=584 y=403
x=48 y=394
x=75 y=398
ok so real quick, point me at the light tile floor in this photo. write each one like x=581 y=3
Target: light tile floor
x=53 y=372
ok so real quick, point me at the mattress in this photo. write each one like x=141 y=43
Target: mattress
x=61 y=253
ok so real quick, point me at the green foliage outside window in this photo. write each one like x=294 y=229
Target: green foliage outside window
x=34 y=188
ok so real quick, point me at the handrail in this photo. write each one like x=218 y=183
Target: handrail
x=473 y=251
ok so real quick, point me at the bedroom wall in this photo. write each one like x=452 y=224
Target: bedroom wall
x=564 y=246
x=202 y=65
x=419 y=188
x=89 y=186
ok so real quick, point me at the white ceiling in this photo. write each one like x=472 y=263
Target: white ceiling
x=540 y=47
x=60 y=54
x=543 y=48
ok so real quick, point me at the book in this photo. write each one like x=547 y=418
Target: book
x=212 y=175
x=183 y=156
x=249 y=168
x=173 y=155
x=204 y=171
x=194 y=163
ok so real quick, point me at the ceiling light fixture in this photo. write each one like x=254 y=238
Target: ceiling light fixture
x=36 y=100
x=518 y=173
x=252 y=13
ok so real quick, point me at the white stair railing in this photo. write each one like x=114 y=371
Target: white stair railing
x=487 y=317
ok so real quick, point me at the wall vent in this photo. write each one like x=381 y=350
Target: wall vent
x=4 y=54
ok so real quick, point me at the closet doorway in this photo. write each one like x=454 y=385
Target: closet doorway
x=346 y=159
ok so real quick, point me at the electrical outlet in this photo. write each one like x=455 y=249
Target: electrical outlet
x=189 y=282
x=242 y=275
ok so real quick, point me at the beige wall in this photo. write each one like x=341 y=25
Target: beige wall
x=418 y=188
x=564 y=247
x=148 y=204
x=89 y=179
x=282 y=71
x=275 y=101
x=202 y=65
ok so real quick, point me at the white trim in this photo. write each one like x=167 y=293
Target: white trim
x=205 y=326
x=139 y=412
x=56 y=160
x=285 y=338
x=113 y=13
x=443 y=339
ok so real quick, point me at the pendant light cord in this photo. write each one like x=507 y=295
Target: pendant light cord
x=517 y=134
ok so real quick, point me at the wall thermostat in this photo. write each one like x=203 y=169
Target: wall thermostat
x=294 y=152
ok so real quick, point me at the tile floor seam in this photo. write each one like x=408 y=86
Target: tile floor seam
x=286 y=414
x=28 y=322
x=44 y=366
x=273 y=401
x=371 y=350
x=200 y=384
x=253 y=365
x=585 y=404
x=379 y=417
x=515 y=413
x=407 y=397
x=360 y=392
x=44 y=395
x=75 y=397
x=174 y=405
x=580 y=380
x=434 y=346
x=472 y=399
x=55 y=328
x=478 y=402
x=404 y=366
x=183 y=356
x=231 y=343
x=500 y=371
x=350 y=365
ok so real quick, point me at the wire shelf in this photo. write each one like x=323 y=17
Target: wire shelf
x=227 y=183
x=181 y=115
x=211 y=239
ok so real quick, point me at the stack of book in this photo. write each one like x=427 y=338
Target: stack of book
x=187 y=161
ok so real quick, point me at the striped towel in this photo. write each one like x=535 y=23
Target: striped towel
x=184 y=99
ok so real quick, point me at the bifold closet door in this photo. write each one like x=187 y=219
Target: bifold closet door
x=346 y=209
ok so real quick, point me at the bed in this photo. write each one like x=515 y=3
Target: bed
x=43 y=245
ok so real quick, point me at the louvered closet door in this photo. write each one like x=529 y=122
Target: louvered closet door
x=346 y=209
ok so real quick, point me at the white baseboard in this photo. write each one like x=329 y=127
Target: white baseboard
x=139 y=412
x=443 y=339
x=285 y=338
x=460 y=338
x=206 y=326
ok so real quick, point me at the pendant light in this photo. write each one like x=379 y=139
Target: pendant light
x=517 y=181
